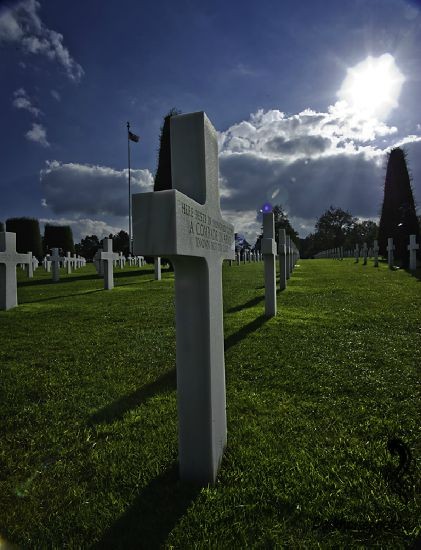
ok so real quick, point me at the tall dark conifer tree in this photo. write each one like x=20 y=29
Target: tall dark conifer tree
x=398 y=218
x=163 y=179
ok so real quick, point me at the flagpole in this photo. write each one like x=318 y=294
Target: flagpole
x=130 y=205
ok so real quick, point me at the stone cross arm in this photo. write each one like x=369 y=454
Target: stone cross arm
x=168 y=223
x=8 y=254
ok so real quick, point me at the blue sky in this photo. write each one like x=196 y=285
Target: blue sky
x=270 y=75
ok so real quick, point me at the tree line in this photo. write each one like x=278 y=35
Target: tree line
x=334 y=228
x=29 y=239
x=337 y=227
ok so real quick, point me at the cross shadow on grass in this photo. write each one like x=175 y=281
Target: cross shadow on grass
x=416 y=273
x=117 y=409
x=244 y=331
x=65 y=279
x=121 y=274
x=63 y=296
x=152 y=516
x=250 y=303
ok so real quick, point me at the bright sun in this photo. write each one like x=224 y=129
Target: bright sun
x=372 y=87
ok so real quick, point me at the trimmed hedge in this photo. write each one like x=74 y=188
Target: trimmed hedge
x=59 y=236
x=28 y=235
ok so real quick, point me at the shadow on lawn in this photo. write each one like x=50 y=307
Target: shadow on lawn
x=416 y=274
x=49 y=281
x=118 y=408
x=70 y=279
x=250 y=303
x=244 y=331
x=153 y=515
x=63 y=296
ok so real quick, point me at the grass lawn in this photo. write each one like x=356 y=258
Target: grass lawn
x=88 y=421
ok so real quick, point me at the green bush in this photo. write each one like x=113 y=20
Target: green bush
x=28 y=235
x=59 y=236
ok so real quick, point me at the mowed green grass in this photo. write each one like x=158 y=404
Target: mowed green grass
x=88 y=417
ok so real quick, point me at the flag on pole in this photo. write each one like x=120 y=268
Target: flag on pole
x=133 y=137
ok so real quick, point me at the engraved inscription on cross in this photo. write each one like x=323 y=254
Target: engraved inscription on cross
x=184 y=223
x=9 y=258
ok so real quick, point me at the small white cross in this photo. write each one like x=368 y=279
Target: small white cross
x=9 y=258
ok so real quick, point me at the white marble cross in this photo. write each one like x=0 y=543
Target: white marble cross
x=365 y=253
x=282 y=260
x=55 y=263
x=413 y=247
x=69 y=263
x=269 y=255
x=30 y=266
x=157 y=268
x=106 y=258
x=390 y=249
x=184 y=223
x=287 y=257
x=291 y=255
x=376 y=253
x=9 y=258
x=357 y=253
x=98 y=264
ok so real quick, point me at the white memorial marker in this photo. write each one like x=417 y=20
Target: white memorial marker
x=157 y=267
x=282 y=260
x=357 y=253
x=269 y=253
x=365 y=253
x=291 y=255
x=390 y=249
x=287 y=252
x=30 y=266
x=9 y=259
x=55 y=262
x=184 y=223
x=376 y=253
x=69 y=263
x=413 y=247
x=106 y=258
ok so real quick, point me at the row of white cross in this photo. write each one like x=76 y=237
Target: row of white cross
x=9 y=259
x=288 y=255
x=365 y=252
x=184 y=224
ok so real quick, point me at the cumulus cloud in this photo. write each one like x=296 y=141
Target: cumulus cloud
x=38 y=134
x=305 y=162
x=21 y=100
x=84 y=226
x=21 y=24
x=87 y=190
